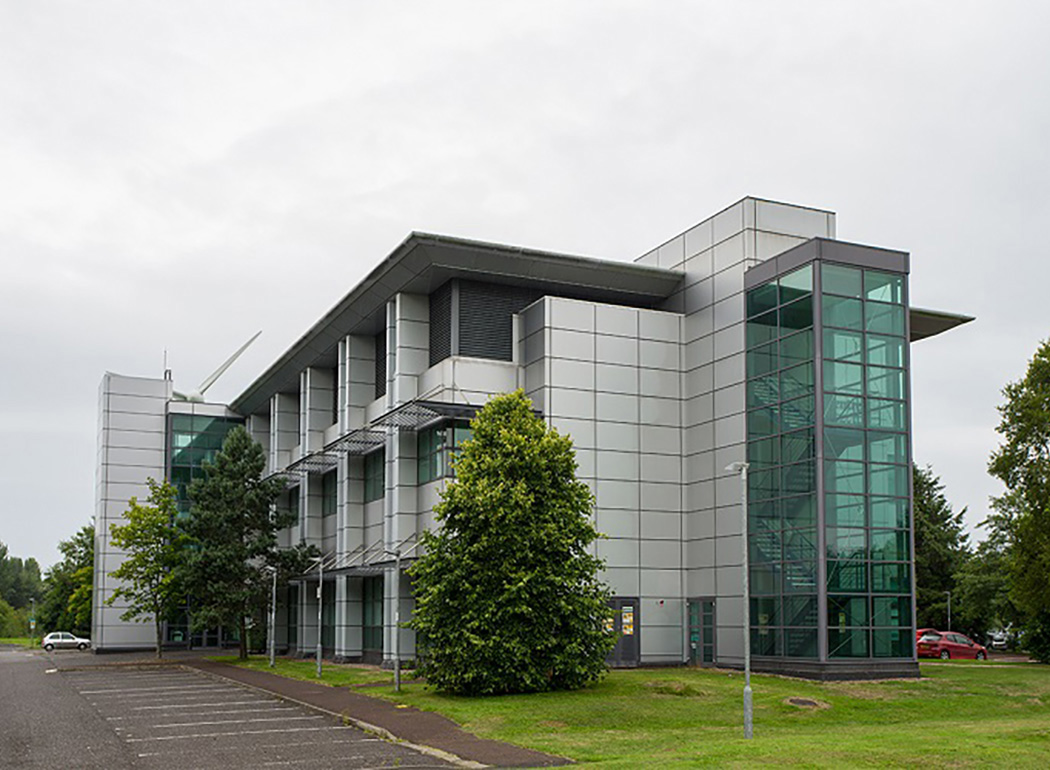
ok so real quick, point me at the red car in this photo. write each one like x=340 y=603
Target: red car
x=949 y=644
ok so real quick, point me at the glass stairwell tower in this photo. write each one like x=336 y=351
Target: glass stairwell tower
x=829 y=516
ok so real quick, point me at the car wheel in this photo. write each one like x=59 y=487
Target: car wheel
x=81 y=646
x=981 y=656
x=49 y=647
x=945 y=655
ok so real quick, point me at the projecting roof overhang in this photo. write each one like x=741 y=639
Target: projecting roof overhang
x=923 y=323
x=929 y=323
x=424 y=262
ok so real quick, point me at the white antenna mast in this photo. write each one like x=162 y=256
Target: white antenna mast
x=197 y=396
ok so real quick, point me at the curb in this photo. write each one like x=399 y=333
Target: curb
x=367 y=727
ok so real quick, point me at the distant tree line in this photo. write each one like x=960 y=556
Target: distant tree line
x=1005 y=581
x=20 y=585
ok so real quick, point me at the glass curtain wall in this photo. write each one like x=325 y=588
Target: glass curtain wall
x=193 y=440
x=437 y=447
x=782 y=483
x=861 y=422
x=866 y=463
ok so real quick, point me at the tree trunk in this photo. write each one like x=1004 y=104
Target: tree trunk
x=156 y=623
x=244 y=638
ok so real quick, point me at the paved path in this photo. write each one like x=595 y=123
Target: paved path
x=134 y=717
x=422 y=728
x=425 y=731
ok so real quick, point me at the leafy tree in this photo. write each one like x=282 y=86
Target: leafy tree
x=68 y=585
x=941 y=548
x=507 y=594
x=233 y=525
x=155 y=548
x=13 y=623
x=1022 y=463
x=982 y=589
x=20 y=581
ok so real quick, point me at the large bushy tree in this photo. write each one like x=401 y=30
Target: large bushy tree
x=941 y=548
x=68 y=586
x=1022 y=463
x=233 y=527
x=507 y=594
x=20 y=581
x=155 y=548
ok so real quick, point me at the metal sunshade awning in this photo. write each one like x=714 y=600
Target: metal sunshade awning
x=417 y=414
x=357 y=442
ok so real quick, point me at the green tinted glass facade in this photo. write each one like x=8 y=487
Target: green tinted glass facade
x=829 y=453
x=193 y=440
x=782 y=483
x=436 y=448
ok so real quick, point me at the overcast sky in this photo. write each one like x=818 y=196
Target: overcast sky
x=175 y=176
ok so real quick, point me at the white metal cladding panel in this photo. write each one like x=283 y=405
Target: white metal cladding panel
x=566 y=373
x=665 y=554
x=615 y=523
x=657 y=496
x=791 y=220
x=619 y=552
x=613 y=320
x=624 y=581
x=571 y=314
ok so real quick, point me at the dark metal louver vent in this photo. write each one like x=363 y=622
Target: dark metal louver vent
x=381 y=364
x=441 y=323
x=485 y=310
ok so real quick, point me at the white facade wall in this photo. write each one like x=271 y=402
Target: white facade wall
x=714 y=255
x=131 y=448
x=607 y=376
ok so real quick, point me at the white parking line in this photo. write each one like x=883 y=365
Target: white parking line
x=153 y=689
x=235 y=721
x=171 y=696
x=276 y=707
x=202 y=705
x=241 y=732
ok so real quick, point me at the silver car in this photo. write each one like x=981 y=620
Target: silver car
x=63 y=640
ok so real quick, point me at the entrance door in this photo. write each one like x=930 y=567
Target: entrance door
x=372 y=619
x=702 y=632
x=625 y=622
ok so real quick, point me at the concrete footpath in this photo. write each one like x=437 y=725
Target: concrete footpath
x=422 y=729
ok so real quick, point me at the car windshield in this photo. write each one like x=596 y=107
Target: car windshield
x=930 y=638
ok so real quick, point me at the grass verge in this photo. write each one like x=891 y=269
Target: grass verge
x=336 y=675
x=20 y=641
x=956 y=715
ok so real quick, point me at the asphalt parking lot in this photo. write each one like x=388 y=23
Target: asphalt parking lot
x=173 y=717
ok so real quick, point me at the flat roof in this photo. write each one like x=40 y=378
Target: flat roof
x=424 y=261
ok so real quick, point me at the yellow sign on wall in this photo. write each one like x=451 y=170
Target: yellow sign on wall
x=627 y=621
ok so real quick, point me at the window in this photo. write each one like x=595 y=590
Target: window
x=372 y=616
x=375 y=475
x=437 y=447
x=329 y=493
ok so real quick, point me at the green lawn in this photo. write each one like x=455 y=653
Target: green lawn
x=21 y=641
x=958 y=715
x=341 y=675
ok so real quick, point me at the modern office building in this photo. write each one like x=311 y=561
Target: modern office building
x=754 y=336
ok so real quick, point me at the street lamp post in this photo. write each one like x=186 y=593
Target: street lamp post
x=949 y=609
x=320 y=601
x=397 y=619
x=273 y=618
x=741 y=468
